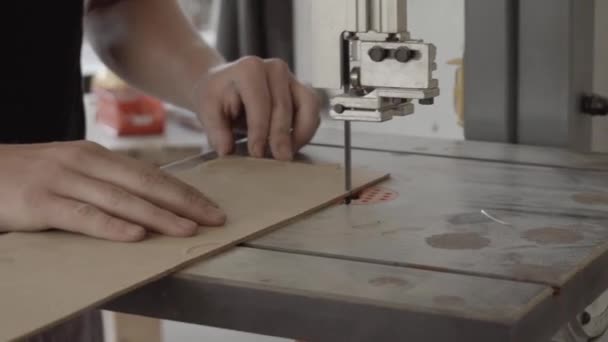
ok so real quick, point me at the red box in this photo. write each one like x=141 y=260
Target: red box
x=128 y=112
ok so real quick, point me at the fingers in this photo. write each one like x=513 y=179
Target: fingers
x=156 y=187
x=79 y=217
x=280 y=111
x=218 y=128
x=307 y=117
x=252 y=86
x=120 y=203
x=279 y=78
x=142 y=180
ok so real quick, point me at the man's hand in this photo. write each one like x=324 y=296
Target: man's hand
x=280 y=112
x=151 y=45
x=84 y=188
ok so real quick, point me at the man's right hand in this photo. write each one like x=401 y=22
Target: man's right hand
x=84 y=188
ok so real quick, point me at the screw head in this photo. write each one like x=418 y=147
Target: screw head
x=339 y=108
x=404 y=54
x=585 y=318
x=378 y=53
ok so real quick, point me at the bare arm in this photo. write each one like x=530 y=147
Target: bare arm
x=150 y=44
x=85 y=188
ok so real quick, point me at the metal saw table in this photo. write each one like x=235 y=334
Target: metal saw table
x=477 y=242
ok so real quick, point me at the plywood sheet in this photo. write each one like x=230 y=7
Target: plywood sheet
x=49 y=277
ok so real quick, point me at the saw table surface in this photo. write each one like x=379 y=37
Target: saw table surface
x=475 y=242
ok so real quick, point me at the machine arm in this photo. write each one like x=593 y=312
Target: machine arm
x=362 y=49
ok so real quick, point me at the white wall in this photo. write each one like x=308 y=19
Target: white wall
x=440 y=22
x=181 y=332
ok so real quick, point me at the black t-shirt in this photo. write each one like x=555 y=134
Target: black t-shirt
x=41 y=91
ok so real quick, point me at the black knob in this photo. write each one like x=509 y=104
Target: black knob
x=404 y=54
x=339 y=109
x=594 y=105
x=427 y=102
x=378 y=53
x=585 y=318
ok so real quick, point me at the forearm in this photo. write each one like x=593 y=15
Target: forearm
x=151 y=45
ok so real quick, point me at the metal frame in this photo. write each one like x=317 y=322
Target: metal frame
x=556 y=40
x=527 y=64
x=490 y=70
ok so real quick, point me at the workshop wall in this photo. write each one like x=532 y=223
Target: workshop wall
x=440 y=22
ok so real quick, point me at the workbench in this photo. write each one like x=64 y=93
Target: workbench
x=474 y=242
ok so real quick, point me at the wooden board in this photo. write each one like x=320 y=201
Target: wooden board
x=46 y=278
